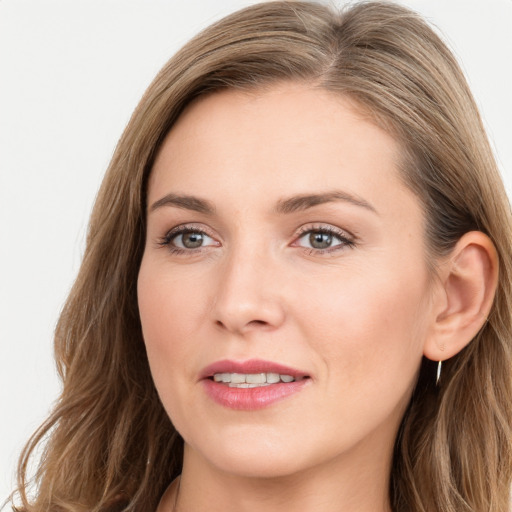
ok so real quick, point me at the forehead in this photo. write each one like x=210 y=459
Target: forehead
x=288 y=139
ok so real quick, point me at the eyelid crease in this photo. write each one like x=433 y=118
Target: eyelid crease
x=347 y=236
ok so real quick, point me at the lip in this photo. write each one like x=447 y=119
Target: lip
x=249 y=366
x=249 y=399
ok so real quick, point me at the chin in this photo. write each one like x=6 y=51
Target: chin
x=254 y=452
x=260 y=465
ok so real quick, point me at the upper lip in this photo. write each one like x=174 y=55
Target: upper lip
x=249 y=366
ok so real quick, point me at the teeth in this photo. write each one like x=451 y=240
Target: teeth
x=238 y=378
x=273 y=378
x=251 y=380
x=256 y=378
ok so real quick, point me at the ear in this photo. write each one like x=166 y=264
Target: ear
x=463 y=296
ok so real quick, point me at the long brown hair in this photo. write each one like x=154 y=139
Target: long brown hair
x=109 y=445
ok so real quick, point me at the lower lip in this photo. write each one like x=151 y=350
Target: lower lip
x=250 y=399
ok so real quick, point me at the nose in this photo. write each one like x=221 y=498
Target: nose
x=248 y=296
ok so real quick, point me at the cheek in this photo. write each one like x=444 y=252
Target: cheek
x=370 y=327
x=368 y=337
x=168 y=306
x=169 y=313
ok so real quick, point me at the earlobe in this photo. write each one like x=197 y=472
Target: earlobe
x=467 y=281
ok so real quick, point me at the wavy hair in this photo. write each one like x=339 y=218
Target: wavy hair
x=108 y=445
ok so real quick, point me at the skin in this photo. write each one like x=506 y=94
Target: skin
x=356 y=318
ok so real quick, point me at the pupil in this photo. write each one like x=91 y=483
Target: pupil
x=320 y=240
x=192 y=240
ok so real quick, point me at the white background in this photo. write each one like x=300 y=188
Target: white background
x=71 y=72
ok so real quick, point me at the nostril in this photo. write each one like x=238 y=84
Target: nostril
x=252 y=323
x=258 y=322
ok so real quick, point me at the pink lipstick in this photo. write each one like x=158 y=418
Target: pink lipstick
x=250 y=385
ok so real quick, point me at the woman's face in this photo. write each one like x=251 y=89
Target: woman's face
x=281 y=241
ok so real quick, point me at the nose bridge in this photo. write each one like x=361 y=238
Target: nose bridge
x=247 y=295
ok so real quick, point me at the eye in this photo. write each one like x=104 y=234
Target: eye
x=324 y=239
x=191 y=240
x=319 y=240
x=183 y=239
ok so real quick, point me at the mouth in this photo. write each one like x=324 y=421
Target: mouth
x=252 y=384
x=253 y=380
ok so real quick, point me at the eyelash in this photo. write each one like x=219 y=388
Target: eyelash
x=182 y=230
x=346 y=240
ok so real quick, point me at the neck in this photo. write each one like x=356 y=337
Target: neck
x=338 y=486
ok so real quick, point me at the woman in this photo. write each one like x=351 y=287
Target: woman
x=296 y=288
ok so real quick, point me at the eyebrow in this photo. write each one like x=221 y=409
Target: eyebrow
x=186 y=202
x=284 y=206
x=303 y=202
